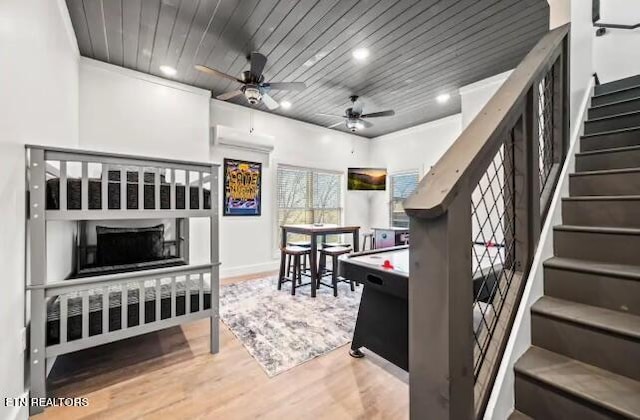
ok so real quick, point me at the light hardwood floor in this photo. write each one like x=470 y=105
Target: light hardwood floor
x=171 y=375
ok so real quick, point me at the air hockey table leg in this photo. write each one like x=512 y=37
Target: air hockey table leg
x=356 y=353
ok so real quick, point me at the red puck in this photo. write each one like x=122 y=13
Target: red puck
x=387 y=264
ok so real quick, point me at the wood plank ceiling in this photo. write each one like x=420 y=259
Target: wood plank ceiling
x=419 y=49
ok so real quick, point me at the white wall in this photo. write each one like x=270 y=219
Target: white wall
x=476 y=95
x=617 y=54
x=249 y=242
x=39 y=89
x=414 y=148
x=581 y=58
x=125 y=111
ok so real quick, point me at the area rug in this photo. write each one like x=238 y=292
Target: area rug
x=282 y=331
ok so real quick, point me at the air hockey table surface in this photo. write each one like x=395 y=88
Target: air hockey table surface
x=398 y=258
x=382 y=323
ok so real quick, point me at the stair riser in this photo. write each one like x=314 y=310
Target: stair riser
x=625 y=83
x=610 y=160
x=605 y=184
x=610 y=124
x=542 y=401
x=633 y=93
x=607 y=213
x=610 y=141
x=599 y=290
x=600 y=247
x=614 y=109
x=599 y=348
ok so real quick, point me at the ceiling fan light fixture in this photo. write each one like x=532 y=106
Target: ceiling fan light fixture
x=360 y=54
x=168 y=70
x=285 y=104
x=252 y=94
x=354 y=125
x=443 y=98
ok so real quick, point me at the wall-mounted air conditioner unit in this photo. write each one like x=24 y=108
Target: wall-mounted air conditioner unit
x=224 y=136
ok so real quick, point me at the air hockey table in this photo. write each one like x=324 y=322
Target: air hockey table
x=382 y=325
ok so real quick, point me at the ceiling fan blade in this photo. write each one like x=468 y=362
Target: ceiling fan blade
x=286 y=86
x=366 y=123
x=216 y=73
x=229 y=95
x=258 y=61
x=330 y=115
x=389 y=113
x=335 y=125
x=269 y=101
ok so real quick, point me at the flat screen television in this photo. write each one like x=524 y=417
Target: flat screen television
x=367 y=179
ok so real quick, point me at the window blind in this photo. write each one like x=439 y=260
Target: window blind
x=402 y=186
x=308 y=195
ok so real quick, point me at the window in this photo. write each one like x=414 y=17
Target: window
x=402 y=186
x=308 y=196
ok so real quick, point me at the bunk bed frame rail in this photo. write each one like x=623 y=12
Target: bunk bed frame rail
x=195 y=175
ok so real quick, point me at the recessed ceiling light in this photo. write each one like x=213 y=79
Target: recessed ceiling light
x=168 y=70
x=443 y=98
x=285 y=104
x=360 y=53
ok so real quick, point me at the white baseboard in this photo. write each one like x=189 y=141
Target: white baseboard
x=502 y=399
x=249 y=269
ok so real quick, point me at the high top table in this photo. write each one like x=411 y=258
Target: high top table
x=314 y=231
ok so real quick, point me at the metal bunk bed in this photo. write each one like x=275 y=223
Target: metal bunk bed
x=68 y=315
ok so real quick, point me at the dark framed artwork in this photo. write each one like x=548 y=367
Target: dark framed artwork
x=242 y=188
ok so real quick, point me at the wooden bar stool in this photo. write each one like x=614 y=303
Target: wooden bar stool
x=322 y=263
x=305 y=262
x=334 y=253
x=372 y=241
x=295 y=253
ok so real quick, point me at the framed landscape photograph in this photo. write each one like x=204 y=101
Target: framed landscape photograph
x=242 y=188
x=366 y=179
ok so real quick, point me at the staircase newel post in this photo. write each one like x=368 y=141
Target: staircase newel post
x=440 y=314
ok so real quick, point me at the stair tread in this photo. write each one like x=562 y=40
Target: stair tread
x=602 y=198
x=518 y=415
x=598 y=229
x=610 y=150
x=624 y=89
x=616 y=322
x=600 y=387
x=594 y=267
x=630 y=81
x=613 y=103
x=606 y=172
x=609 y=132
x=613 y=116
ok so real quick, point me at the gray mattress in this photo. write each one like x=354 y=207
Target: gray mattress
x=74 y=307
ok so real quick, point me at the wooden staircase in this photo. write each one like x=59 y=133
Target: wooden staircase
x=584 y=362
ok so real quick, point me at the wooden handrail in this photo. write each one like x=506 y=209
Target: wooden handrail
x=472 y=151
x=494 y=183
